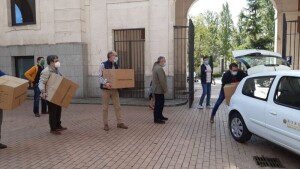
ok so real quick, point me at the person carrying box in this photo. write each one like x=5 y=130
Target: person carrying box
x=234 y=75
x=109 y=93
x=53 y=109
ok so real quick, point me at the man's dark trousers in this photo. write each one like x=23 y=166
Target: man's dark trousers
x=159 y=106
x=54 y=116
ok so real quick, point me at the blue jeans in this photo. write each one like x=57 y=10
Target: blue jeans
x=36 y=102
x=206 y=91
x=218 y=103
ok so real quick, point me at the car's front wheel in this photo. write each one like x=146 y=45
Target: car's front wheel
x=238 y=128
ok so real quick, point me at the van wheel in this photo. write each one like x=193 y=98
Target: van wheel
x=238 y=128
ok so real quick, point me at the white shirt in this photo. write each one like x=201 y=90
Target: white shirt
x=208 y=73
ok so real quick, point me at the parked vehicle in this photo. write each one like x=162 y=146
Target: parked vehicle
x=271 y=112
x=257 y=61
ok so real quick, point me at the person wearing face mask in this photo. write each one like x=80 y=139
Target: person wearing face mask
x=33 y=75
x=159 y=89
x=206 y=79
x=109 y=93
x=233 y=75
x=53 y=109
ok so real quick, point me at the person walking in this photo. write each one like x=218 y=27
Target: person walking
x=233 y=75
x=33 y=74
x=159 y=89
x=109 y=93
x=206 y=80
x=2 y=146
x=53 y=109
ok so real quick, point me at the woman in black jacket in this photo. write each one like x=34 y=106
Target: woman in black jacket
x=206 y=79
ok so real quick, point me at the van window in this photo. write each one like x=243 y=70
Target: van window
x=258 y=87
x=288 y=92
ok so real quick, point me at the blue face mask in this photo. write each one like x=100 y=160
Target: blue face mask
x=116 y=59
x=164 y=65
x=205 y=62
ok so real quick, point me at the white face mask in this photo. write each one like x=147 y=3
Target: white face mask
x=116 y=59
x=57 y=64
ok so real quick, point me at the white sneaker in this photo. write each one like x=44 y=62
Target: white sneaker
x=208 y=106
x=199 y=107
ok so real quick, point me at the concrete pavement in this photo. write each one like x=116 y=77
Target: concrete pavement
x=187 y=140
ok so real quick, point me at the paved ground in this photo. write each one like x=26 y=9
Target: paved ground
x=188 y=140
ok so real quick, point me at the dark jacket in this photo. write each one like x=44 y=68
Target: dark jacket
x=159 y=80
x=108 y=65
x=2 y=73
x=229 y=78
x=38 y=74
x=203 y=74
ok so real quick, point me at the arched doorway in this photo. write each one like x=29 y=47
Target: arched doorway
x=182 y=8
x=183 y=52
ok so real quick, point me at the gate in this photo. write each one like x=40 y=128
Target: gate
x=191 y=62
x=183 y=49
x=130 y=45
x=291 y=42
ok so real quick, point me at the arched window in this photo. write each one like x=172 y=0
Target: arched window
x=23 y=12
x=19 y=18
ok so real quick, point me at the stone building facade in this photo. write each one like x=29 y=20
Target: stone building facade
x=81 y=32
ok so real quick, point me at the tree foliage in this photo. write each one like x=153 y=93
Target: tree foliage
x=216 y=35
x=257 y=23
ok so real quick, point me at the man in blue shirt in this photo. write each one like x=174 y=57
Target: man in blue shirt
x=2 y=146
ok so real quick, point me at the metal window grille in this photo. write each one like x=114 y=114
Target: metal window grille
x=180 y=58
x=291 y=42
x=130 y=45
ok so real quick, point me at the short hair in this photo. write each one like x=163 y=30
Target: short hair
x=39 y=58
x=205 y=57
x=51 y=58
x=110 y=53
x=233 y=65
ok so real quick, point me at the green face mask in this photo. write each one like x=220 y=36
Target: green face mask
x=42 y=63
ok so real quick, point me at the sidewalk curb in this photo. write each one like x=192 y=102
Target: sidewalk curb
x=143 y=103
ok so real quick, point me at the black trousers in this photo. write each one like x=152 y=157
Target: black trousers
x=54 y=116
x=159 y=106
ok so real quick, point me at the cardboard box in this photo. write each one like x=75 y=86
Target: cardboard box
x=60 y=90
x=119 y=78
x=229 y=89
x=13 y=92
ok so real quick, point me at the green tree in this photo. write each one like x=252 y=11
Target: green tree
x=206 y=39
x=226 y=32
x=257 y=23
x=268 y=22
